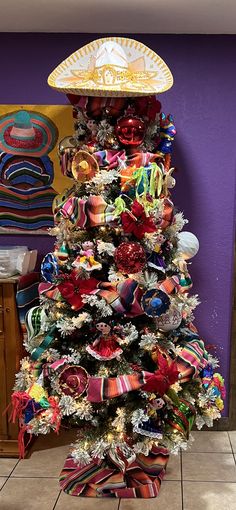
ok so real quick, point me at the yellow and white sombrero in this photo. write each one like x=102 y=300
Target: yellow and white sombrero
x=112 y=66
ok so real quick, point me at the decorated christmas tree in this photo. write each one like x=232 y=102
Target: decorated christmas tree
x=112 y=347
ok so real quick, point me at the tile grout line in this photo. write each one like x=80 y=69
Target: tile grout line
x=182 y=484
x=231 y=447
x=9 y=476
x=218 y=453
x=55 y=504
x=4 y=483
x=36 y=476
x=209 y=481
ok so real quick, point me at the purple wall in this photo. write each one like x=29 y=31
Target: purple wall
x=203 y=104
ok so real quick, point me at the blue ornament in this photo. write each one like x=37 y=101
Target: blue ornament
x=31 y=410
x=155 y=302
x=207 y=371
x=49 y=267
x=215 y=391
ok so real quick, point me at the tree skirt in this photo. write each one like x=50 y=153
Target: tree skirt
x=107 y=479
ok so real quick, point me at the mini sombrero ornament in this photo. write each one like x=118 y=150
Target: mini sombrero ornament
x=27 y=133
x=112 y=66
x=155 y=302
x=84 y=166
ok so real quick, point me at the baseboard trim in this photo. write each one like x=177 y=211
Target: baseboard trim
x=223 y=423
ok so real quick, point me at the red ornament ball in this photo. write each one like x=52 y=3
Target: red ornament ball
x=130 y=257
x=130 y=130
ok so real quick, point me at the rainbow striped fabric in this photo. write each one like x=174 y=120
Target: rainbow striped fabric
x=26 y=194
x=140 y=478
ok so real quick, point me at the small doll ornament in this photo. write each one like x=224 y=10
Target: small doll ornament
x=106 y=346
x=86 y=260
x=152 y=426
x=93 y=129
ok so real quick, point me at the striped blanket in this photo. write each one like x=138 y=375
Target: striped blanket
x=141 y=478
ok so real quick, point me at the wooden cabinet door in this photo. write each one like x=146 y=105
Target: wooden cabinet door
x=12 y=345
x=3 y=390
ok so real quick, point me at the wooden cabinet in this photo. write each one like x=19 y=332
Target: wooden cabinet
x=10 y=355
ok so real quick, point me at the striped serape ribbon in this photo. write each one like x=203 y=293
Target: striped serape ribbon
x=192 y=359
x=27 y=296
x=124 y=297
x=104 y=388
x=86 y=213
x=140 y=479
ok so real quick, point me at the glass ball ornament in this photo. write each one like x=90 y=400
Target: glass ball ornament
x=169 y=320
x=130 y=130
x=130 y=257
x=187 y=245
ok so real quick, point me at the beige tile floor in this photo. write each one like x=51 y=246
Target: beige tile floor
x=204 y=478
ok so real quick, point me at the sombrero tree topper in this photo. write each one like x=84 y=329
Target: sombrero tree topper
x=112 y=66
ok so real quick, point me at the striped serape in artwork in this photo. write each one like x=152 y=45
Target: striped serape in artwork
x=26 y=212
x=141 y=478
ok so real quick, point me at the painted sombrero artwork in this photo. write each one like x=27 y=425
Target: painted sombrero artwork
x=26 y=171
x=112 y=66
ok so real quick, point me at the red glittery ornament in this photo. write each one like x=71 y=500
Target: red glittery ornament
x=130 y=130
x=130 y=257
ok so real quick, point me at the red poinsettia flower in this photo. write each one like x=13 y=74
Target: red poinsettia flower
x=166 y=375
x=136 y=221
x=73 y=287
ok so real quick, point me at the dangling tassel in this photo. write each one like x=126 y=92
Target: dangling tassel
x=56 y=416
x=21 y=443
x=156 y=180
x=19 y=402
x=120 y=206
